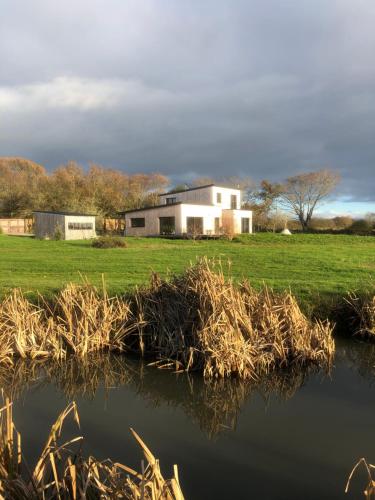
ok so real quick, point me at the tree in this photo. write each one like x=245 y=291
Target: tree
x=20 y=186
x=263 y=202
x=302 y=193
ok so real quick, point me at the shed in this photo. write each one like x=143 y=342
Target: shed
x=64 y=225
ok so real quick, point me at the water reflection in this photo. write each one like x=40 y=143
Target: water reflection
x=213 y=405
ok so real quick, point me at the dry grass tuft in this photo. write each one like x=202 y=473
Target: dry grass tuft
x=362 y=314
x=201 y=321
x=62 y=473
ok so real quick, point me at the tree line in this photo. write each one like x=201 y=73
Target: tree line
x=26 y=186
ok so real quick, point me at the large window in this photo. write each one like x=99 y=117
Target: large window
x=218 y=197
x=167 y=225
x=137 y=222
x=245 y=225
x=171 y=200
x=194 y=225
x=80 y=225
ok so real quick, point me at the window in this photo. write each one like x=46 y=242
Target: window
x=194 y=225
x=171 y=200
x=233 y=201
x=167 y=225
x=218 y=197
x=245 y=225
x=217 y=225
x=80 y=225
x=137 y=222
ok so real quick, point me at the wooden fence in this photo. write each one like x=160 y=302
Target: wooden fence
x=16 y=226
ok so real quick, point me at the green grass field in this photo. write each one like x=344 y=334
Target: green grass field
x=311 y=265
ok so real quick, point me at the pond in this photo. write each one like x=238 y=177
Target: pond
x=296 y=436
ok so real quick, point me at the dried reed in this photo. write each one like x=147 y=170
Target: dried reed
x=362 y=314
x=62 y=473
x=197 y=321
x=369 y=491
x=201 y=321
x=79 y=320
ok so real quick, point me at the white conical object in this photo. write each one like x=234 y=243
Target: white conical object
x=285 y=231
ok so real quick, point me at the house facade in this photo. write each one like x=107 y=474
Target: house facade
x=70 y=226
x=203 y=211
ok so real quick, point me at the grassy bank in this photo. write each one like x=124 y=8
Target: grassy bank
x=313 y=266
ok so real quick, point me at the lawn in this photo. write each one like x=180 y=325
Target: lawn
x=311 y=265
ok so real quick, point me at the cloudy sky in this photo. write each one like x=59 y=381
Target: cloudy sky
x=261 y=88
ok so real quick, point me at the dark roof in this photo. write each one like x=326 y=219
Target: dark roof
x=150 y=208
x=189 y=189
x=62 y=213
x=198 y=187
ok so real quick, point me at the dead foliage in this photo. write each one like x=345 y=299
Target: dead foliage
x=361 y=312
x=201 y=321
x=196 y=321
x=63 y=473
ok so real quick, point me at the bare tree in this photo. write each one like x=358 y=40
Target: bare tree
x=302 y=193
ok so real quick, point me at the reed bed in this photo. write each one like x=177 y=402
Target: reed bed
x=63 y=473
x=79 y=321
x=201 y=321
x=197 y=321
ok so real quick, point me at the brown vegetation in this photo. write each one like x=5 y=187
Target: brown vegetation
x=197 y=321
x=62 y=473
x=26 y=186
x=200 y=321
x=361 y=312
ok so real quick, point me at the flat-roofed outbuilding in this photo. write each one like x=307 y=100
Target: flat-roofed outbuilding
x=64 y=225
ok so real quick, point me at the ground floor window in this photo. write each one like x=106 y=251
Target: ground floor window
x=245 y=225
x=137 y=222
x=217 y=225
x=194 y=225
x=167 y=225
x=80 y=225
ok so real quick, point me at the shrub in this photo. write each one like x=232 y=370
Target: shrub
x=109 y=242
x=58 y=233
x=361 y=226
x=1 y=230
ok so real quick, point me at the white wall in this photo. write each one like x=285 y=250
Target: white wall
x=79 y=234
x=208 y=212
x=226 y=194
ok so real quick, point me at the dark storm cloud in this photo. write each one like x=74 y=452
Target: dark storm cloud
x=266 y=89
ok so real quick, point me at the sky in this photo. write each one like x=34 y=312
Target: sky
x=189 y=88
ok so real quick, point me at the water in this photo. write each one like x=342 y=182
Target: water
x=295 y=437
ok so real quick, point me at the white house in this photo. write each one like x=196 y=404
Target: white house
x=67 y=225
x=204 y=210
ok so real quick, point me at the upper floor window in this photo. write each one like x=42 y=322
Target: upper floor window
x=137 y=222
x=218 y=197
x=171 y=200
x=233 y=202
